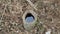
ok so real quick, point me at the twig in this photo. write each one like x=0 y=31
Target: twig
x=32 y=4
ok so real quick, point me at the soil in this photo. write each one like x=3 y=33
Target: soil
x=11 y=12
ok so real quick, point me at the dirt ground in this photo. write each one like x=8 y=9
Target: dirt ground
x=11 y=12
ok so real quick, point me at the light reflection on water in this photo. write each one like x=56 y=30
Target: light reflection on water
x=29 y=19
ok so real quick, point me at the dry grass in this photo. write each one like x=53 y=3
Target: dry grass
x=11 y=12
